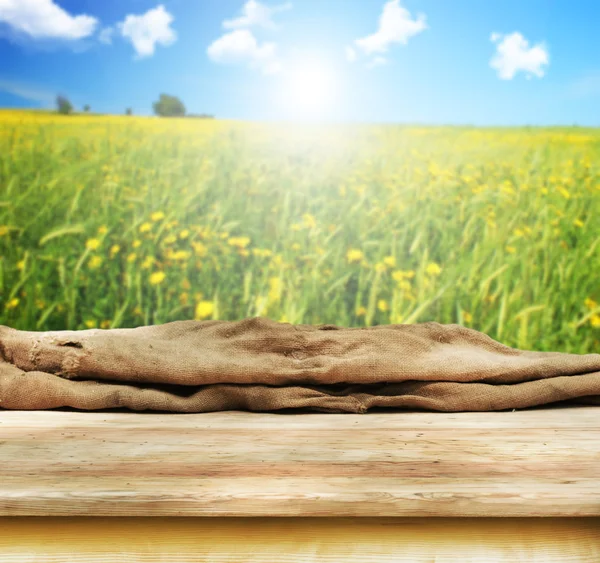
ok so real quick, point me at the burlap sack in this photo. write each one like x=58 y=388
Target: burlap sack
x=257 y=364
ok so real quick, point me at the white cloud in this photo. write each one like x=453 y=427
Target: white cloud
x=377 y=61
x=148 y=30
x=256 y=14
x=513 y=54
x=241 y=47
x=44 y=19
x=395 y=26
x=350 y=54
x=105 y=35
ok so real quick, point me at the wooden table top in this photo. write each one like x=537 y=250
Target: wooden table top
x=532 y=462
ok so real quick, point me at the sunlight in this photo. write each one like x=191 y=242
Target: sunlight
x=309 y=91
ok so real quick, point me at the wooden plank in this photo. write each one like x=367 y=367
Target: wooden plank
x=534 y=462
x=299 y=540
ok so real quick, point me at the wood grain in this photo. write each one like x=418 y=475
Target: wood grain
x=299 y=540
x=535 y=462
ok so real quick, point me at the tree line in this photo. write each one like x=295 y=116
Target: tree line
x=165 y=106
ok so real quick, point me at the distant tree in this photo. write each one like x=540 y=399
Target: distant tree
x=86 y=108
x=128 y=111
x=63 y=105
x=169 y=106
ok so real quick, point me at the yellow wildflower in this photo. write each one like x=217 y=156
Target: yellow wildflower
x=90 y=324
x=309 y=220
x=382 y=305
x=181 y=255
x=3 y=230
x=204 y=309
x=590 y=303
x=102 y=230
x=565 y=193
x=184 y=234
x=399 y=275
x=274 y=289
x=21 y=265
x=467 y=317
x=361 y=311
x=240 y=242
x=511 y=249
x=92 y=244
x=578 y=223
x=595 y=320
x=147 y=263
x=433 y=269
x=199 y=249
x=131 y=257
x=136 y=243
x=157 y=277
x=157 y=216
x=354 y=255
x=94 y=262
x=145 y=227
x=114 y=249
x=260 y=305
x=105 y=324
x=390 y=261
x=13 y=303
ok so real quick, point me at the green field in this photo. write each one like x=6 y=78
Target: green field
x=119 y=222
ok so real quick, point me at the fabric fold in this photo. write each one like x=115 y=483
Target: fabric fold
x=258 y=364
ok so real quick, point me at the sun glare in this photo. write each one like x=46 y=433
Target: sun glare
x=308 y=92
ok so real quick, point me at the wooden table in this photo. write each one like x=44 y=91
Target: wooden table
x=383 y=486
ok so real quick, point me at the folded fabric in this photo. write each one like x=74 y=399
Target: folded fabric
x=258 y=364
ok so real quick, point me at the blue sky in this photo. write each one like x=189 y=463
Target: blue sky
x=480 y=62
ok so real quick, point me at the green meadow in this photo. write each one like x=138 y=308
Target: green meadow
x=110 y=222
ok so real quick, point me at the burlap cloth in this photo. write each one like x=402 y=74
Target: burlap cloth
x=257 y=364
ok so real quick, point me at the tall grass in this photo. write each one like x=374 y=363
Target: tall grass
x=120 y=221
